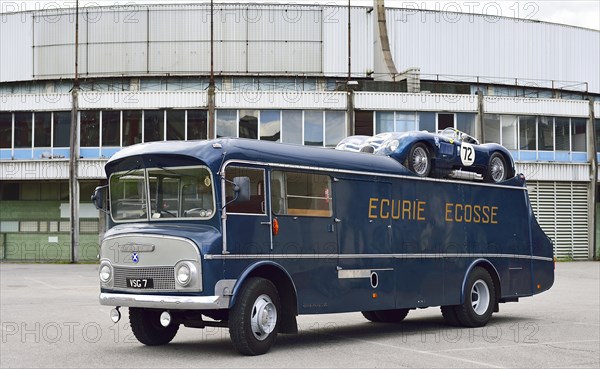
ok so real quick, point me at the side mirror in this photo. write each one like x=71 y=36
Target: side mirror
x=241 y=187
x=98 y=197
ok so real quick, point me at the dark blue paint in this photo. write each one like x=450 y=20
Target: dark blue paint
x=420 y=261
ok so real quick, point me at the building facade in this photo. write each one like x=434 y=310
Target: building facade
x=307 y=75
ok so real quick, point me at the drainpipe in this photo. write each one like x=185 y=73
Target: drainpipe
x=593 y=158
x=212 y=124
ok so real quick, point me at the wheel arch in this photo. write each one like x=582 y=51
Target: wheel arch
x=491 y=269
x=284 y=284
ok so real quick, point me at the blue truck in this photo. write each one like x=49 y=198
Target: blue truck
x=247 y=235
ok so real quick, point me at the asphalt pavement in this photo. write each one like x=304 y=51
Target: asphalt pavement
x=50 y=318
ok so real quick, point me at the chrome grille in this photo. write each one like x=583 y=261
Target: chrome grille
x=163 y=277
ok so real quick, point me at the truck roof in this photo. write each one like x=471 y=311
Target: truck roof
x=215 y=152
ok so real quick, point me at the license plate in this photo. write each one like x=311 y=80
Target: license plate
x=140 y=283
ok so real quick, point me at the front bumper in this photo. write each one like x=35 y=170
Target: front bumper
x=165 y=302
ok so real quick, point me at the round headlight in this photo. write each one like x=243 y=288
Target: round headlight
x=392 y=146
x=105 y=273
x=183 y=274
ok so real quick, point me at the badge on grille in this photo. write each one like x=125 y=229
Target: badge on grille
x=135 y=258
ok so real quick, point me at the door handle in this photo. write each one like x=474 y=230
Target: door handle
x=265 y=223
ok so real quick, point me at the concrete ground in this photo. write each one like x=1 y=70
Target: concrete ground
x=50 y=317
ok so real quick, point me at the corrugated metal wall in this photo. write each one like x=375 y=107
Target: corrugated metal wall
x=140 y=40
x=16 y=37
x=562 y=211
x=518 y=105
x=474 y=45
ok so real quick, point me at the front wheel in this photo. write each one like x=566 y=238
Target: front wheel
x=479 y=299
x=497 y=170
x=254 y=319
x=146 y=327
x=419 y=160
x=386 y=316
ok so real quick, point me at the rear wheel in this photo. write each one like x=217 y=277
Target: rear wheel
x=479 y=299
x=370 y=316
x=449 y=314
x=419 y=160
x=391 y=316
x=254 y=319
x=497 y=170
x=146 y=327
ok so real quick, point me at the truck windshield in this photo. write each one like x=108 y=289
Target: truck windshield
x=170 y=193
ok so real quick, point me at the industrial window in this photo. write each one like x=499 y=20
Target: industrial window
x=23 y=130
x=43 y=129
x=270 y=125
x=427 y=121
x=226 y=123
x=5 y=130
x=335 y=127
x=562 y=134
x=248 y=124
x=313 y=127
x=111 y=128
x=491 y=128
x=197 y=125
x=578 y=127
x=132 y=127
x=384 y=122
x=465 y=122
x=445 y=120
x=527 y=133
x=154 y=125
x=62 y=128
x=546 y=134
x=256 y=204
x=405 y=122
x=176 y=125
x=291 y=126
x=509 y=131
x=301 y=194
x=90 y=128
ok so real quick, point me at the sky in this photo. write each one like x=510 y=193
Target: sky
x=580 y=13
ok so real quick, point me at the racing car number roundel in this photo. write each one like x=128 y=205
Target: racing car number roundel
x=467 y=154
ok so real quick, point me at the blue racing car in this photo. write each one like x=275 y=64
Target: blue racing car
x=450 y=153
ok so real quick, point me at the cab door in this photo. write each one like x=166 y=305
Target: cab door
x=248 y=222
x=305 y=239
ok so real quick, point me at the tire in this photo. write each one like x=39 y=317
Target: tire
x=146 y=327
x=449 y=314
x=391 y=316
x=497 y=170
x=370 y=316
x=479 y=299
x=419 y=160
x=254 y=320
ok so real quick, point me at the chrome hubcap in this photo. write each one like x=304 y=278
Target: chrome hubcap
x=419 y=161
x=480 y=297
x=497 y=169
x=263 y=318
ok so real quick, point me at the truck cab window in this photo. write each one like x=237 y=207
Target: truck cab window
x=301 y=194
x=256 y=204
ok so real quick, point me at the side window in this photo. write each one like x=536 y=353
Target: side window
x=301 y=194
x=256 y=204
